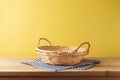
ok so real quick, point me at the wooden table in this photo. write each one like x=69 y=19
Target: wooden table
x=12 y=69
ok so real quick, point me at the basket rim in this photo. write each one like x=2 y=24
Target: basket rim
x=39 y=50
x=55 y=55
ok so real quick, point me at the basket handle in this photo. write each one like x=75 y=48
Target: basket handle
x=45 y=40
x=81 y=46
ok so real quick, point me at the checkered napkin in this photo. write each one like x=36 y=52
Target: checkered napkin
x=83 y=65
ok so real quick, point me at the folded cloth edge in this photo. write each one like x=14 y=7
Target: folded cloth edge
x=38 y=62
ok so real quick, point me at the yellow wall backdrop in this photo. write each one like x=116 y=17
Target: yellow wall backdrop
x=64 y=22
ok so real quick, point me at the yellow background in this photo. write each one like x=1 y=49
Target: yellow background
x=63 y=22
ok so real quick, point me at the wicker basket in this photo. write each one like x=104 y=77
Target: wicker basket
x=62 y=55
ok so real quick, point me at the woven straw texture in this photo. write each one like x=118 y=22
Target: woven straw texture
x=62 y=55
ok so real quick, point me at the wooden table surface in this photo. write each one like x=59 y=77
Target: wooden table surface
x=12 y=69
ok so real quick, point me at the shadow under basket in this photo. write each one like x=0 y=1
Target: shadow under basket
x=62 y=55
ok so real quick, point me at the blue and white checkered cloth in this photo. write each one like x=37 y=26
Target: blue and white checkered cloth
x=83 y=65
